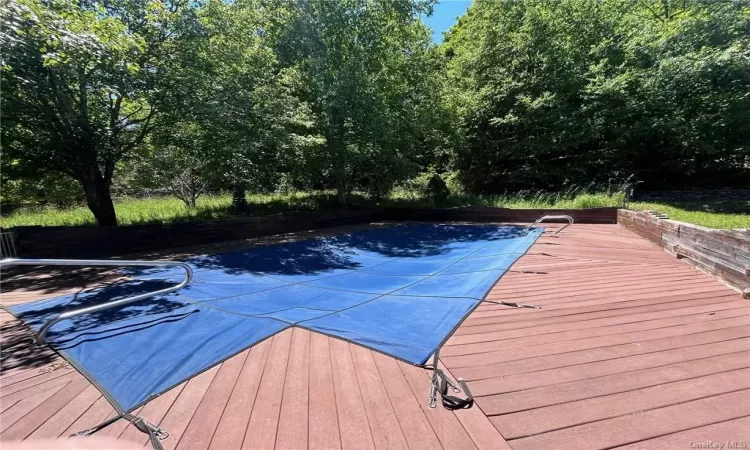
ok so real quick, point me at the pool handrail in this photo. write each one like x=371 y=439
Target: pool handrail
x=40 y=338
x=551 y=217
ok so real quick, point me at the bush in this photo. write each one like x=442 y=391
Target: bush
x=51 y=188
x=433 y=185
x=437 y=190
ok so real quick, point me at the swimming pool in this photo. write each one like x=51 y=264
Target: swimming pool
x=401 y=290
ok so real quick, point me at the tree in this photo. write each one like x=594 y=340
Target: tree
x=574 y=91
x=242 y=108
x=183 y=172
x=367 y=70
x=81 y=83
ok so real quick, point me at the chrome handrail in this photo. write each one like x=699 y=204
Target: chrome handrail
x=7 y=245
x=40 y=338
x=550 y=217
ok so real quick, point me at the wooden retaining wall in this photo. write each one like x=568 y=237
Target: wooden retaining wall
x=91 y=241
x=489 y=214
x=722 y=253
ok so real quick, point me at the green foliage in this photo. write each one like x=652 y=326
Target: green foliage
x=577 y=91
x=437 y=190
x=367 y=67
x=211 y=207
x=429 y=185
x=81 y=84
x=165 y=210
x=242 y=115
x=536 y=98
x=47 y=188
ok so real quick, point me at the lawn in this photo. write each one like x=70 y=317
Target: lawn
x=715 y=214
x=169 y=209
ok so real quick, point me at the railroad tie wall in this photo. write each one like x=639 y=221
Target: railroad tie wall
x=724 y=254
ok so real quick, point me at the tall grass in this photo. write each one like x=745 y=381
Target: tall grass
x=210 y=207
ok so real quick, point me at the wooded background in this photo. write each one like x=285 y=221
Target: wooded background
x=352 y=95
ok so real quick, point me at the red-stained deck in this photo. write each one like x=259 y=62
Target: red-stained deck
x=632 y=348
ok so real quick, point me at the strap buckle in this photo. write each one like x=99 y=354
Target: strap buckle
x=149 y=428
x=440 y=385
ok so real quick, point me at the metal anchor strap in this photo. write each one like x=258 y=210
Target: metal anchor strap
x=155 y=433
x=452 y=402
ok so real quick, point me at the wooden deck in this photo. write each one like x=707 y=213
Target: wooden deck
x=632 y=348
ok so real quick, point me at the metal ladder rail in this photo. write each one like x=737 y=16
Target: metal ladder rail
x=551 y=217
x=7 y=245
x=40 y=338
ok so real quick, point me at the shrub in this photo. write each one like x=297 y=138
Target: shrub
x=436 y=189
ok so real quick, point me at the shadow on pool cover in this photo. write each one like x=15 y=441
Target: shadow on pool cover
x=401 y=291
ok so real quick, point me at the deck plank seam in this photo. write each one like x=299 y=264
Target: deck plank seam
x=623 y=372
x=615 y=316
x=630 y=390
x=335 y=397
x=198 y=404
x=246 y=353
x=618 y=357
x=597 y=336
x=634 y=413
x=602 y=310
x=544 y=334
x=677 y=432
x=359 y=390
x=255 y=397
x=283 y=385
x=390 y=400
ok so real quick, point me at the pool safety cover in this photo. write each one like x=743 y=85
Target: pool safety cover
x=401 y=290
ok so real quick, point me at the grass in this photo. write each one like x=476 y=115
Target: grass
x=726 y=214
x=169 y=209
x=716 y=214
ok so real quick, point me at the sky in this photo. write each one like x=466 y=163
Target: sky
x=445 y=15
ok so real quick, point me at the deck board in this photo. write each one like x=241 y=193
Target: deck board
x=385 y=427
x=626 y=335
x=550 y=418
x=230 y=432
x=419 y=433
x=323 y=422
x=201 y=428
x=632 y=348
x=264 y=420
x=293 y=426
x=353 y=423
x=645 y=425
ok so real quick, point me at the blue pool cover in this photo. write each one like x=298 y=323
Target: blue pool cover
x=401 y=290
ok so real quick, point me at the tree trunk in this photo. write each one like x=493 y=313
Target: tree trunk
x=99 y=200
x=341 y=196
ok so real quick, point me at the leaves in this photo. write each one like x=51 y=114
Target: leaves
x=574 y=91
x=268 y=95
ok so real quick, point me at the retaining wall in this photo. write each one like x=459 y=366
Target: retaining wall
x=722 y=253
x=489 y=214
x=92 y=241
